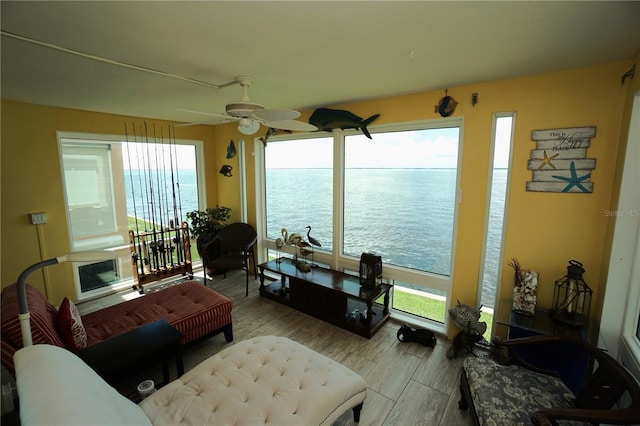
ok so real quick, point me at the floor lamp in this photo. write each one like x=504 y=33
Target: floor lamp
x=23 y=309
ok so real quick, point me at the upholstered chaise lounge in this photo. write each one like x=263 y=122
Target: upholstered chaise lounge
x=193 y=309
x=266 y=380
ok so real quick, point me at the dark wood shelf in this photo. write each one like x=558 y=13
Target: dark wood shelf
x=332 y=296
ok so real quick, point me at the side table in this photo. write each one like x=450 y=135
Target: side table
x=574 y=366
x=119 y=356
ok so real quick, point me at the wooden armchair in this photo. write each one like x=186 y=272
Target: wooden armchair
x=230 y=249
x=518 y=392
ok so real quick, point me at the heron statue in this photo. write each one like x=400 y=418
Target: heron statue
x=314 y=242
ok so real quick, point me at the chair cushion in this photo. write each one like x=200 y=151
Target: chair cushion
x=192 y=308
x=69 y=325
x=508 y=395
x=43 y=322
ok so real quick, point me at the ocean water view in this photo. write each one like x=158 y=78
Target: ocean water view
x=139 y=195
x=404 y=215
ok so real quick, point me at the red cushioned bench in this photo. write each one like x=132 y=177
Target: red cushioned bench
x=195 y=310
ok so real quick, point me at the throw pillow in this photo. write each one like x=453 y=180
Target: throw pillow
x=70 y=327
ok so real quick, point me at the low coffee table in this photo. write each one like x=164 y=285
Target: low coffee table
x=115 y=358
x=329 y=295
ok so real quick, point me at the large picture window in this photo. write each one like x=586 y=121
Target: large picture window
x=399 y=197
x=394 y=195
x=110 y=185
x=299 y=187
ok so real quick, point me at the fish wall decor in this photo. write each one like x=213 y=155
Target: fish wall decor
x=327 y=120
x=231 y=149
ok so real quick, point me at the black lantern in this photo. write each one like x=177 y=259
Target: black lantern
x=572 y=297
x=370 y=270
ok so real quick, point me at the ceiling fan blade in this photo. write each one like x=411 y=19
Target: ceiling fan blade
x=211 y=114
x=298 y=126
x=276 y=114
x=196 y=123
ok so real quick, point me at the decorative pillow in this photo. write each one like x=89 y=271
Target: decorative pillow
x=69 y=324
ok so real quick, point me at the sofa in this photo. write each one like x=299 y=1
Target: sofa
x=265 y=380
x=195 y=310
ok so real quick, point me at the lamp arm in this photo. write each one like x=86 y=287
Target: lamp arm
x=23 y=308
x=22 y=280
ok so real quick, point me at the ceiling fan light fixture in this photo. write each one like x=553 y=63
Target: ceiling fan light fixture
x=242 y=109
x=247 y=126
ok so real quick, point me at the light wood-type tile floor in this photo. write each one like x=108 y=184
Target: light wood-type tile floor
x=408 y=384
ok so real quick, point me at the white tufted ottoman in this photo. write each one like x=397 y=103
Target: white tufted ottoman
x=265 y=380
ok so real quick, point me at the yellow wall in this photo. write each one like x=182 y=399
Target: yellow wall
x=544 y=230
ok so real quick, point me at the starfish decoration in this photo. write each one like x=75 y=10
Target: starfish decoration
x=547 y=160
x=574 y=180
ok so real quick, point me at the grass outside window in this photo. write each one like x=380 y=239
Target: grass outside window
x=431 y=308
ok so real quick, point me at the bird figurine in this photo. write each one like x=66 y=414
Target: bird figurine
x=311 y=239
x=279 y=245
x=290 y=239
x=304 y=246
x=314 y=242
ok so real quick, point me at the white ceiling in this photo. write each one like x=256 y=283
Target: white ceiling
x=303 y=54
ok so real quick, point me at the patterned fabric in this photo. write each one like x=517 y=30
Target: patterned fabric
x=192 y=308
x=508 y=395
x=69 y=325
x=43 y=322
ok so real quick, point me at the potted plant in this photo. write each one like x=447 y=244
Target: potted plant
x=204 y=225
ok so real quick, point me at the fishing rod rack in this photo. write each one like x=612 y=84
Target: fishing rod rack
x=160 y=253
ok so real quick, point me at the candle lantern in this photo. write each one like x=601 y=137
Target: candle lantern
x=370 y=270
x=572 y=297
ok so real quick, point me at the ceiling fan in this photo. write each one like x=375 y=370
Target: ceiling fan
x=251 y=115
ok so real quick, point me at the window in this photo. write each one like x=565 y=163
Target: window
x=498 y=177
x=90 y=198
x=399 y=197
x=108 y=183
x=394 y=195
x=299 y=188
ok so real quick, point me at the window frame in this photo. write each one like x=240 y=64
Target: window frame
x=337 y=259
x=123 y=261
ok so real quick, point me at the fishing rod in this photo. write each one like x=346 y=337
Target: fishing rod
x=166 y=200
x=180 y=250
x=144 y=195
x=135 y=255
x=160 y=242
x=154 y=249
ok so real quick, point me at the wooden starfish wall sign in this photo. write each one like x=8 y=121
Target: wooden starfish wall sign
x=559 y=162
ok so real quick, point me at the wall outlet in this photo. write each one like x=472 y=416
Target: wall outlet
x=38 y=218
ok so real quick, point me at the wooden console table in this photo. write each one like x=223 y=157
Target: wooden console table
x=332 y=296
